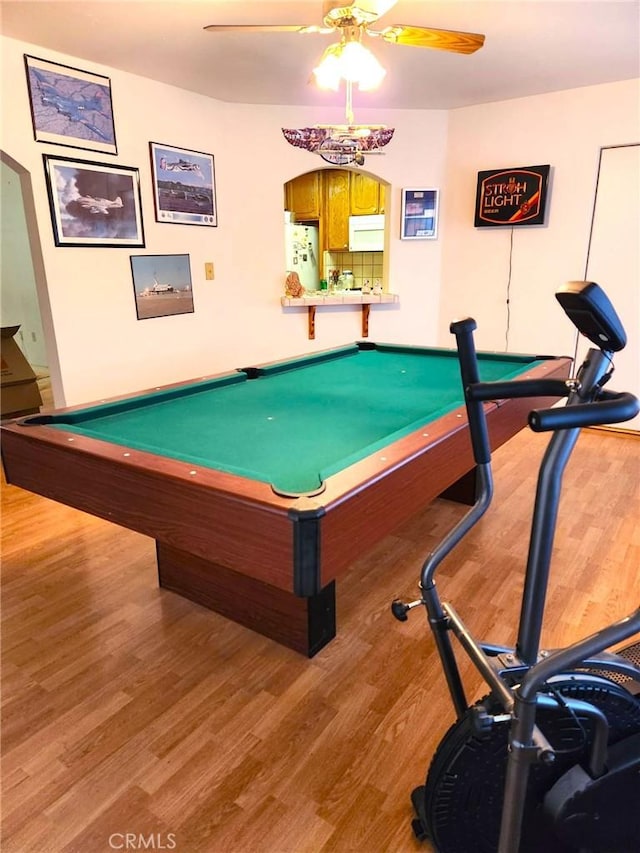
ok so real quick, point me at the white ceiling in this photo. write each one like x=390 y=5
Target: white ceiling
x=532 y=47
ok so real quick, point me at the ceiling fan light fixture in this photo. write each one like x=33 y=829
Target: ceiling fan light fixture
x=327 y=72
x=350 y=61
x=360 y=66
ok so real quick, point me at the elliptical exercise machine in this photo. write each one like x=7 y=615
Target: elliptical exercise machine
x=549 y=760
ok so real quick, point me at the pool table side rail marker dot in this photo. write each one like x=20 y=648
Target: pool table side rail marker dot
x=229 y=542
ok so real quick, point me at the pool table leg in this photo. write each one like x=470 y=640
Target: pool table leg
x=463 y=490
x=305 y=625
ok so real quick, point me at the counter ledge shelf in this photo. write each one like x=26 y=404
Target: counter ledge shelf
x=343 y=297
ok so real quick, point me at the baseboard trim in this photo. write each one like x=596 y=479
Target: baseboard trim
x=628 y=433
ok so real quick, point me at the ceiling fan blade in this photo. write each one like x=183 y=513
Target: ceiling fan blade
x=266 y=28
x=426 y=37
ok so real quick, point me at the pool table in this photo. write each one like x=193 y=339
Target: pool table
x=263 y=484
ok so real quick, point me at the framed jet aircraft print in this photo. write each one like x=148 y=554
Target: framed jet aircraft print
x=70 y=107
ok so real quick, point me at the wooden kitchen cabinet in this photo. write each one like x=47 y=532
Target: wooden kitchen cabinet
x=337 y=206
x=366 y=195
x=330 y=196
x=303 y=196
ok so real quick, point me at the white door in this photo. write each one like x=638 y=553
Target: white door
x=614 y=257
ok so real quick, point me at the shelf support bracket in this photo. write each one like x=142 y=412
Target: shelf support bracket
x=312 y=322
x=366 y=308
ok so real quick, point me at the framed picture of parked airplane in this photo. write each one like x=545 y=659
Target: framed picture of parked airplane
x=70 y=107
x=94 y=204
x=184 y=186
x=162 y=285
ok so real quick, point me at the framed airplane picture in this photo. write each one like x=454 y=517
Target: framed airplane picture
x=184 y=186
x=162 y=285
x=70 y=107
x=94 y=204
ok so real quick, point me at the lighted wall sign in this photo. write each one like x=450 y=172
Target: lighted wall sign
x=512 y=196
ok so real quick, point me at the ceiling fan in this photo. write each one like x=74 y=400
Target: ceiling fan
x=351 y=61
x=354 y=19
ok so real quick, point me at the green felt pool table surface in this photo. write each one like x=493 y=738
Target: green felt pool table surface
x=298 y=422
x=263 y=485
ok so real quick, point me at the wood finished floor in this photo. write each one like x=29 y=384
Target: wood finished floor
x=126 y=709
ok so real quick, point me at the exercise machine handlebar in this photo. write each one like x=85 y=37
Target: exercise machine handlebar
x=463 y=331
x=611 y=408
x=522 y=388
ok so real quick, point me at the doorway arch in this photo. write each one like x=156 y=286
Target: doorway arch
x=25 y=295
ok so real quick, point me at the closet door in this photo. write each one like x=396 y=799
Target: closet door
x=614 y=257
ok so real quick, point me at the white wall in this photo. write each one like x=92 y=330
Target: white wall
x=103 y=349
x=566 y=130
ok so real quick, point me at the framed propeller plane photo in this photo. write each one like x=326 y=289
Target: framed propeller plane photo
x=94 y=204
x=184 y=185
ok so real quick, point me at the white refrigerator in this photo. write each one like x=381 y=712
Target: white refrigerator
x=301 y=246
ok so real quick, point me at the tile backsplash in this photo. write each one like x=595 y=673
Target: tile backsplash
x=363 y=265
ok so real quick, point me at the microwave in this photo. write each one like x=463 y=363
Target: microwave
x=366 y=233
